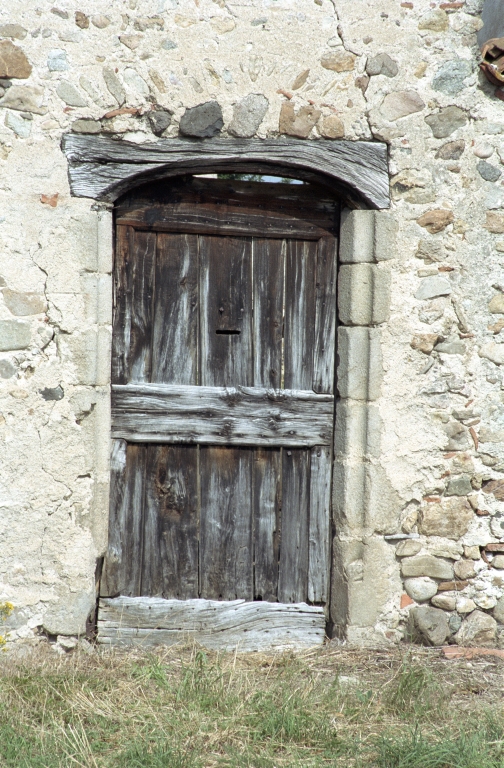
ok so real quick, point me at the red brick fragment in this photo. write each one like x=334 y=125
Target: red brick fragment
x=406 y=600
x=122 y=111
x=459 y=652
x=51 y=200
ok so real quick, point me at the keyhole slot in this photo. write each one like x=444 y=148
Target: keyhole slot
x=227 y=332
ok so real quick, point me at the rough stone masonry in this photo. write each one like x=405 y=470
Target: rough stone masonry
x=424 y=556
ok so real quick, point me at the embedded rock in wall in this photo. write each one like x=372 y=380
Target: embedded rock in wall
x=434 y=21
x=382 y=64
x=446 y=121
x=14 y=334
x=400 y=104
x=86 y=126
x=248 y=115
x=203 y=121
x=338 y=61
x=24 y=98
x=13 y=61
x=159 y=120
x=23 y=303
x=298 y=123
x=431 y=624
x=421 y=588
x=331 y=127
x=450 y=518
x=450 y=76
x=114 y=85
x=478 y=630
x=426 y=565
x=435 y=221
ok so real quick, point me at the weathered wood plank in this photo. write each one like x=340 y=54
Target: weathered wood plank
x=269 y=257
x=320 y=524
x=234 y=625
x=267 y=482
x=300 y=274
x=293 y=568
x=132 y=322
x=97 y=165
x=325 y=316
x=294 y=202
x=171 y=525
x=221 y=416
x=226 y=311
x=175 y=325
x=226 y=523
x=221 y=220
x=123 y=561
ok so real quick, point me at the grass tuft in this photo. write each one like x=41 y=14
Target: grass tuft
x=190 y=708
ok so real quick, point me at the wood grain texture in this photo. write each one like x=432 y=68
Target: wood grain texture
x=300 y=314
x=175 y=333
x=122 y=571
x=325 y=316
x=320 y=524
x=269 y=262
x=221 y=220
x=226 y=523
x=171 y=522
x=226 y=305
x=293 y=567
x=132 y=317
x=223 y=488
x=103 y=168
x=267 y=487
x=233 y=625
x=302 y=207
x=221 y=416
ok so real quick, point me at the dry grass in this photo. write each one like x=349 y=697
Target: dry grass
x=189 y=708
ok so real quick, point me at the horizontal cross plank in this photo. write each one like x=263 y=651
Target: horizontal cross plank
x=219 y=625
x=221 y=220
x=221 y=415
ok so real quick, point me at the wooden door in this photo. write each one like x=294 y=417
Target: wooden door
x=222 y=393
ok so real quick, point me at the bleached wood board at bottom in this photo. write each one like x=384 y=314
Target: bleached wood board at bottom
x=238 y=624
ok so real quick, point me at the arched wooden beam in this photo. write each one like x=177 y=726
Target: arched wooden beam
x=104 y=168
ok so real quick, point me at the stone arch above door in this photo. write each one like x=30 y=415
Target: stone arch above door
x=103 y=169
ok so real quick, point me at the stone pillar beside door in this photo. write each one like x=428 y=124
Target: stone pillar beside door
x=364 y=576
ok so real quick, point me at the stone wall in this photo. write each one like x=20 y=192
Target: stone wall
x=423 y=466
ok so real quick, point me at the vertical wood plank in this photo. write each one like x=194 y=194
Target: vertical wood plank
x=325 y=316
x=301 y=262
x=226 y=523
x=293 y=570
x=269 y=256
x=170 y=549
x=175 y=325
x=267 y=469
x=122 y=564
x=320 y=524
x=132 y=323
x=226 y=305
